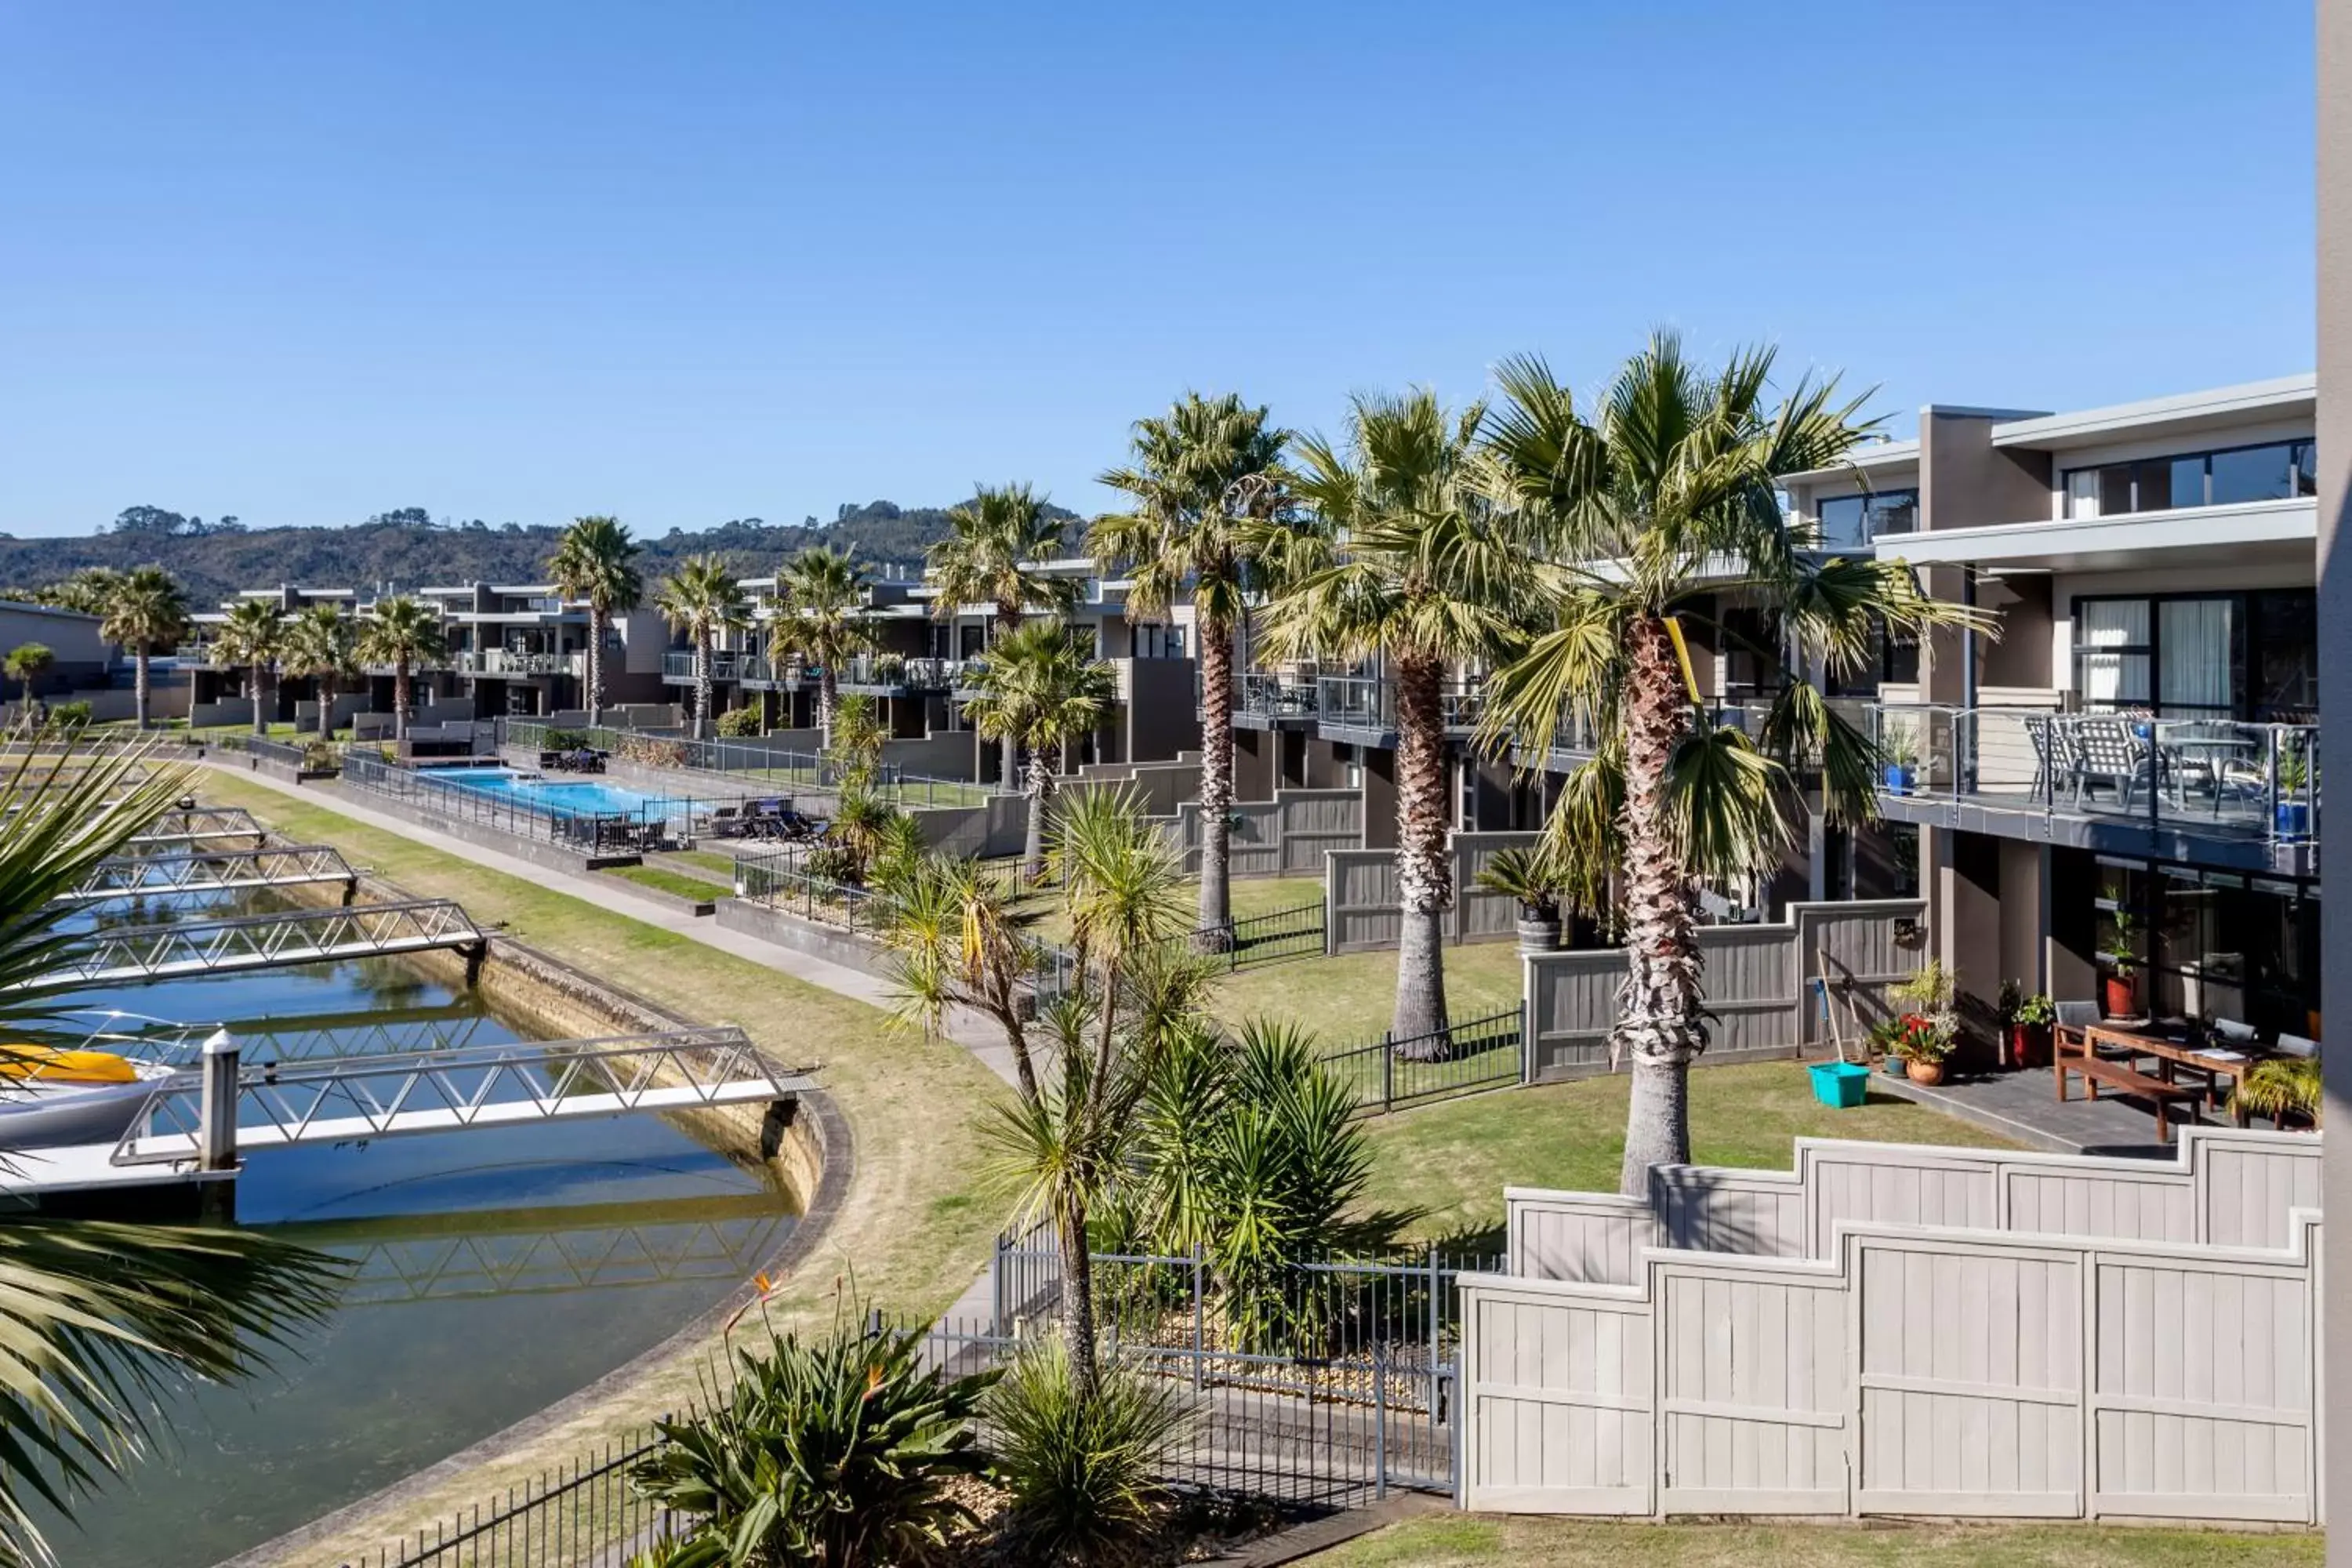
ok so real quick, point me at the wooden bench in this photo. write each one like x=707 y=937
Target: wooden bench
x=2097 y=1070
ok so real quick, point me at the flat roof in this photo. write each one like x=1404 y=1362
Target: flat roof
x=2284 y=396
x=27 y=607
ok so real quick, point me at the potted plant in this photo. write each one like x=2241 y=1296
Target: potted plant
x=2291 y=813
x=1532 y=878
x=1930 y=1025
x=2288 y=1085
x=2119 y=988
x=1885 y=1037
x=1898 y=749
x=1924 y=1045
x=2027 y=1017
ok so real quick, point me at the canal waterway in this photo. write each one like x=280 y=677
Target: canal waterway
x=494 y=1273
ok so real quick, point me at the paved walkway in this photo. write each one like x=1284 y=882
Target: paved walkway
x=608 y=893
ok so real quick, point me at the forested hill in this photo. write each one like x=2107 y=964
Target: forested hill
x=410 y=548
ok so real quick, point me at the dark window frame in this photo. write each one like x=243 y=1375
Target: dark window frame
x=2294 y=444
x=1866 y=497
x=2245 y=705
x=2146 y=909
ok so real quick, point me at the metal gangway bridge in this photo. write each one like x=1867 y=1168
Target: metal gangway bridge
x=189 y=871
x=199 y=1124
x=241 y=942
x=185 y=826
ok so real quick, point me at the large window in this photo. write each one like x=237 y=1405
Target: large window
x=1851 y=522
x=2277 y=471
x=2199 y=656
x=2213 y=945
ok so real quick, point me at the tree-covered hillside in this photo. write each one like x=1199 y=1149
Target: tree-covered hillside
x=409 y=548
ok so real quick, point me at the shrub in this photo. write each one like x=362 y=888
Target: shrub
x=1082 y=1473
x=840 y=1451
x=2286 y=1086
x=567 y=739
x=70 y=715
x=738 y=723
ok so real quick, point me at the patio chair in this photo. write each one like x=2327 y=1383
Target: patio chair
x=2297 y=1045
x=2108 y=753
x=2073 y=1017
x=728 y=821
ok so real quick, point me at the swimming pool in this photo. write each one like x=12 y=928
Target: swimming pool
x=561 y=797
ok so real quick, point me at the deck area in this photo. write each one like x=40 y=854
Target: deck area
x=2023 y=1106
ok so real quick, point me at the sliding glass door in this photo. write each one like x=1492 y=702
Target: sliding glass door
x=2199 y=655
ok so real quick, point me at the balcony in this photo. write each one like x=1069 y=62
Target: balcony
x=2214 y=791
x=1363 y=706
x=1263 y=700
x=505 y=661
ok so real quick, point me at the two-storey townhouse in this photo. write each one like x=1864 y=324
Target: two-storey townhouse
x=2117 y=796
x=521 y=649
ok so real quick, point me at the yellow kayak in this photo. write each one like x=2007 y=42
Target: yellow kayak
x=21 y=1062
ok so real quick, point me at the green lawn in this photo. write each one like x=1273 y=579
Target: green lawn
x=1468 y=1541
x=1349 y=999
x=1451 y=1161
x=720 y=867
x=662 y=880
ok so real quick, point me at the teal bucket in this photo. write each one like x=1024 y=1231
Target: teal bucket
x=1840 y=1083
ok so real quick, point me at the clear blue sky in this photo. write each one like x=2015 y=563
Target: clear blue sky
x=302 y=262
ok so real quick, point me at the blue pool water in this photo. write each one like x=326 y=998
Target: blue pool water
x=565 y=797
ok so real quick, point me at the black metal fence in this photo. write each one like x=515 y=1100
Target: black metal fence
x=1462 y=1058
x=1278 y=935
x=653 y=823
x=746 y=760
x=581 y=1513
x=781 y=880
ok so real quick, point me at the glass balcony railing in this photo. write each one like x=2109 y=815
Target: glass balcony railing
x=508 y=662
x=1368 y=702
x=2213 y=776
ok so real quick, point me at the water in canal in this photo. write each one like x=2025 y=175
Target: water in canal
x=496 y=1271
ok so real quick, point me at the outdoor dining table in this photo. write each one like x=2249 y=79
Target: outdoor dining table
x=2214 y=753
x=2173 y=1052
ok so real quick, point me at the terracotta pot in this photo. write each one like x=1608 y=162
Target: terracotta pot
x=2120 y=997
x=1924 y=1072
x=2029 y=1044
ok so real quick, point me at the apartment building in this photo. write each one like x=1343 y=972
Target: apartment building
x=2117 y=796
x=918 y=674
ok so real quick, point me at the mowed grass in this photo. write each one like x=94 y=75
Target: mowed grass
x=662 y=880
x=1468 y=1541
x=1451 y=1160
x=1349 y=999
x=914 y=1224
x=1250 y=896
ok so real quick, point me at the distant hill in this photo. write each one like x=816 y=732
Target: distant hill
x=409 y=549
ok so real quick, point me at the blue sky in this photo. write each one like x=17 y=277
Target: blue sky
x=303 y=262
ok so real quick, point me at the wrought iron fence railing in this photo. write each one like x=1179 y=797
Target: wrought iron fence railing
x=581 y=1513
x=1462 y=1058
x=746 y=760
x=651 y=822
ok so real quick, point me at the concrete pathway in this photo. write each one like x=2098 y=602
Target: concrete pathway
x=974 y=1033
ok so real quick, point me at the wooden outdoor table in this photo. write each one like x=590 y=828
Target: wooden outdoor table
x=2173 y=1054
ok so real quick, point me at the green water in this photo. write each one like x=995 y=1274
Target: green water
x=495 y=1272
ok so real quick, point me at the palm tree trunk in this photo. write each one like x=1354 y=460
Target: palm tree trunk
x=597 y=611
x=1658 y=1022
x=1214 y=929
x=260 y=720
x=326 y=707
x=1078 y=1302
x=1008 y=619
x=139 y=682
x=702 y=687
x=828 y=691
x=1041 y=785
x=400 y=699
x=1424 y=874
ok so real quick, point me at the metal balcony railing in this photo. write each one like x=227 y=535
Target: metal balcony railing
x=2215 y=775
x=506 y=661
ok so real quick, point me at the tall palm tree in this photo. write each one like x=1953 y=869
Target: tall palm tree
x=405 y=632
x=87 y=591
x=702 y=599
x=994 y=536
x=1406 y=564
x=323 y=642
x=143 y=609
x=27 y=663
x=1038 y=688
x=101 y=1319
x=254 y=635
x=1653 y=507
x=593 y=560
x=822 y=593
x=1205 y=478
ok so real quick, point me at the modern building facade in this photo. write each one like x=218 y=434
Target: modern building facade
x=2117 y=795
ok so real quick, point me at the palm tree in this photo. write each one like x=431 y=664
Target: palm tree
x=702 y=599
x=592 y=560
x=1038 y=688
x=143 y=609
x=1407 y=564
x=87 y=591
x=25 y=663
x=821 y=592
x=1649 y=510
x=403 y=633
x=101 y=1319
x=254 y=635
x=994 y=535
x=1204 y=476
x=323 y=642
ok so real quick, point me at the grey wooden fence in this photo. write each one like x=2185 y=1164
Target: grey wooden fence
x=1285 y=836
x=1360 y=886
x=1985 y=1365
x=1758 y=984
